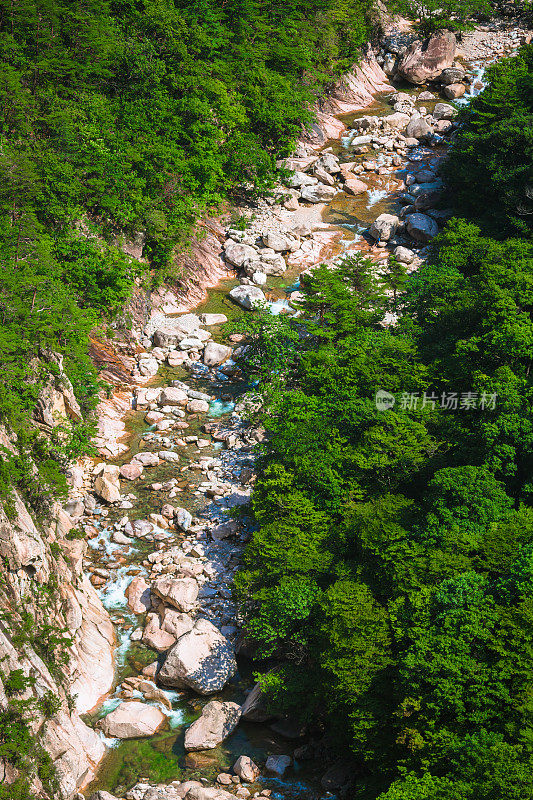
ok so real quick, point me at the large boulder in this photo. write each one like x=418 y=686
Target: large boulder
x=421 y=227
x=138 y=595
x=147 y=459
x=299 y=179
x=132 y=720
x=131 y=471
x=355 y=186
x=418 y=128
x=277 y=241
x=425 y=61
x=452 y=75
x=404 y=255
x=454 y=91
x=384 y=227
x=176 y=622
x=201 y=659
x=248 y=297
x=181 y=593
x=172 y=396
x=215 y=354
x=398 y=120
x=216 y=722
x=183 y=519
x=255 y=708
x=155 y=637
x=246 y=769
x=174 y=329
x=213 y=319
x=444 y=111
x=107 y=483
x=319 y=193
x=237 y=253
x=278 y=764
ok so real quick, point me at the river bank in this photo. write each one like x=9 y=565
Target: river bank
x=161 y=554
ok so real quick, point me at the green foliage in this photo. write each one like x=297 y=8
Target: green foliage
x=435 y=15
x=490 y=166
x=390 y=570
x=120 y=118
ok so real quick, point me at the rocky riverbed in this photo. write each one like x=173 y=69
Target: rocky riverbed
x=158 y=510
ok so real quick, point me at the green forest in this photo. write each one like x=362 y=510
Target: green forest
x=387 y=588
x=388 y=585
x=126 y=116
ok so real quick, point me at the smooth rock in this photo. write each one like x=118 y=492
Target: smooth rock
x=107 y=484
x=276 y=241
x=181 y=593
x=208 y=793
x=404 y=255
x=249 y=297
x=451 y=75
x=176 y=622
x=201 y=659
x=398 y=120
x=320 y=193
x=216 y=722
x=454 y=91
x=131 y=471
x=138 y=595
x=299 y=179
x=237 y=253
x=421 y=227
x=183 y=519
x=215 y=354
x=197 y=407
x=155 y=637
x=213 y=319
x=132 y=720
x=147 y=459
x=384 y=227
x=355 y=186
x=418 y=129
x=246 y=769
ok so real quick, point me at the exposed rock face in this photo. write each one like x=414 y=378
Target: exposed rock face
x=201 y=659
x=215 y=724
x=352 y=92
x=425 y=61
x=28 y=565
x=132 y=720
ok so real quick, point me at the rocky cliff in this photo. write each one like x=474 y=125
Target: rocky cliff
x=56 y=638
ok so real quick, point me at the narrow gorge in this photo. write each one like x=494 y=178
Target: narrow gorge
x=120 y=619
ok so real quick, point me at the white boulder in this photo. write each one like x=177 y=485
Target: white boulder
x=216 y=722
x=201 y=659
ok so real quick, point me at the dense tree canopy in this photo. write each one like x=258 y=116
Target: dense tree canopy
x=389 y=580
x=120 y=117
